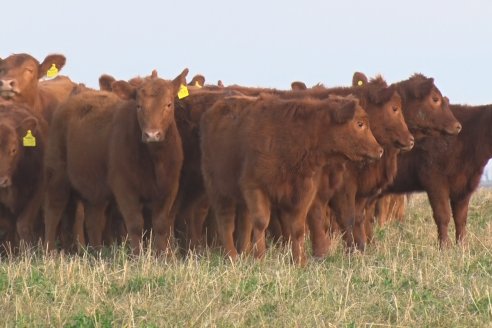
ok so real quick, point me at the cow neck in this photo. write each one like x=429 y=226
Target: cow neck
x=377 y=175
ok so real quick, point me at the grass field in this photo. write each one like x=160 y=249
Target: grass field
x=403 y=280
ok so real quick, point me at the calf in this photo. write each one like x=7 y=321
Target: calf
x=449 y=168
x=129 y=150
x=364 y=180
x=269 y=152
x=19 y=82
x=21 y=163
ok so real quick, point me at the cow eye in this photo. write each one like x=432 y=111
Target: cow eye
x=360 y=124
x=139 y=108
x=395 y=108
x=169 y=105
x=13 y=151
x=435 y=99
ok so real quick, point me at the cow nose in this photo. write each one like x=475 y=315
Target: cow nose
x=5 y=181
x=380 y=152
x=7 y=83
x=152 y=135
x=458 y=127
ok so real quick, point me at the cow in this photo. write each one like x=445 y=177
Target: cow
x=124 y=146
x=363 y=180
x=345 y=184
x=269 y=152
x=426 y=113
x=19 y=82
x=448 y=168
x=22 y=145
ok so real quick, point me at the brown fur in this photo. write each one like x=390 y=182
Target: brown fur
x=269 y=152
x=19 y=82
x=21 y=178
x=448 y=168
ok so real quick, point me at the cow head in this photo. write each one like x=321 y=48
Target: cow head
x=425 y=109
x=20 y=73
x=298 y=86
x=350 y=129
x=11 y=135
x=383 y=104
x=154 y=103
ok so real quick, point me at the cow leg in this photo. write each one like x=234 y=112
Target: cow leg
x=370 y=219
x=244 y=230
x=56 y=201
x=316 y=220
x=360 y=237
x=95 y=221
x=199 y=214
x=26 y=220
x=225 y=214
x=460 y=214
x=259 y=208
x=163 y=224
x=439 y=201
x=131 y=210
x=343 y=206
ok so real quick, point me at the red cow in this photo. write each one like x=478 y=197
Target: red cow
x=269 y=152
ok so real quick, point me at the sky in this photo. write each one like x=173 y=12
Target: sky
x=262 y=43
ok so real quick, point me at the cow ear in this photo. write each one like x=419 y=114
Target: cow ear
x=29 y=123
x=197 y=81
x=180 y=80
x=424 y=88
x=359 y=79
x=220 y=84
x=124 y=90
x=345 y=111
x=298 y=85
x=57 y=60
x=154 y=74
x=105 y=82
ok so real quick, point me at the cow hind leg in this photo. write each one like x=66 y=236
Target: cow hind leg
x=259 y=209
x=460 y=214
x=225 y=213
x=442 y=214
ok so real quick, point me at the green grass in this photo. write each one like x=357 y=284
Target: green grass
x=403 y=280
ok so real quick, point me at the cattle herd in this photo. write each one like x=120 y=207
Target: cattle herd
x=197 y=164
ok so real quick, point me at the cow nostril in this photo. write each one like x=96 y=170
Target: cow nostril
x=12 y=83
x=381 y=151
x=458 y=127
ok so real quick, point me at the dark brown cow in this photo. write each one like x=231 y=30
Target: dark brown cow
x=129 y=150
x=448 y=168
x=21 y=165
x=269 y=152
x=19 y=82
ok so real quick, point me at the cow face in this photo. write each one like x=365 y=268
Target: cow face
x=154 y=103
x=11 y=136
x=350 y=131
x=426 y=111
x=19 y=74
x=387 y=121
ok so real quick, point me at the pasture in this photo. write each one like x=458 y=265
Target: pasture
x=402 y=280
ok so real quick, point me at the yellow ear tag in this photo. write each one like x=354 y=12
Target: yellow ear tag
x=52 y=72
x=197 y=84
x=360 y=83
x=183 y=92
x=29 y=140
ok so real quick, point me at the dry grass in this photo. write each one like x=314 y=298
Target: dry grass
x=402 y=281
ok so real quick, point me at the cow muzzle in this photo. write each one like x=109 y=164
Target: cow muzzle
x=5 y=182
x=8 y=88
x=152 y=136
